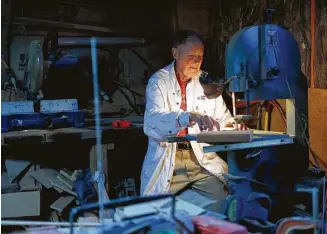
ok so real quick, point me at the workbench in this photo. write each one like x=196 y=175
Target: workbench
x=64 y=138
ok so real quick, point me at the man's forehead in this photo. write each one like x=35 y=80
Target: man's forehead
x=191 y=44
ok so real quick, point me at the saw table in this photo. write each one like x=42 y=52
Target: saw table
x=260 y=139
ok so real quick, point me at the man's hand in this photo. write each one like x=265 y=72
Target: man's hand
x=240 y=127
x=205 y=122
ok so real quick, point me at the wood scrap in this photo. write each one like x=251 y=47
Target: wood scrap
x=68 y=174
x=57 y=183
x=88 y=219
x=69 y=183
x=27 y=182
x=48 y=177
x=15 y=205
x=58 y=190
x=15 y=168
x=6 y=186
x=54 y=216
x=40 y=176
x=61 y=203
x=225 y=136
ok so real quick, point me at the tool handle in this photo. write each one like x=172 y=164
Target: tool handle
x=121 y=124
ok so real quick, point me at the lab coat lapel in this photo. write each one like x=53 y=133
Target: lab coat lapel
x=174 y=93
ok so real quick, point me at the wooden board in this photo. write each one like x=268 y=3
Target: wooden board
x=318 y=124
x=93 y=162
x=44 y=136
x=62 y=202
x=15 y=168
x=15 y=205
x=225 y=136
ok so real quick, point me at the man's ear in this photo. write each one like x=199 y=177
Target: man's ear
x=175 y=53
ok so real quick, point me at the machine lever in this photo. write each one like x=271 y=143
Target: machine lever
x=253 y=154
x=235 y=178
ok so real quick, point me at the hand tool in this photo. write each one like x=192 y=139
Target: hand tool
x=121 y=124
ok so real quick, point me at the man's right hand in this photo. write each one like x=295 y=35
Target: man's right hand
x=205 y=122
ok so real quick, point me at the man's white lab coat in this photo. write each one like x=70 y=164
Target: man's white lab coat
x=163 y=117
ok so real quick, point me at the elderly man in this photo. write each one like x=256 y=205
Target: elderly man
x=175 y=104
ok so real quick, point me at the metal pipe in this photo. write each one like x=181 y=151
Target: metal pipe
x=313 y=42
x=43 y=223
x=67 y=25
x=97 y=126
x=315 y=202
x=86 y=41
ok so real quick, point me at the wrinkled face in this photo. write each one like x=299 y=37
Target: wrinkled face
x=189 y=57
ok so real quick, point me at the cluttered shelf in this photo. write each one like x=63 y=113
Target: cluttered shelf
x=52 y=135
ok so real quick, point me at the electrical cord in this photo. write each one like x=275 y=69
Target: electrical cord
x=274 y=103
x=303 y=128
x=129 y=89
x=279 y=108
x=132 y=105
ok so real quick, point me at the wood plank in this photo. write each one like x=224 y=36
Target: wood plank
x=93 y=167
x=318 y=124
x=225 y=136
x=74 y=133
x=69 y=183
x=6 y=186
x=43 y=136
x=15 y=205
x=27 y=182
x=40 y=176
x=61 y=203
x=23 y=134
x=54 y=216
x=93 y=162
x=15 y=168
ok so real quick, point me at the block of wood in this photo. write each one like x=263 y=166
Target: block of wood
x=66 y=181
x=15 y=168
x=68 y=174
x=6 y=186
x=225 y=136
x=62 y=202
x=15 y=205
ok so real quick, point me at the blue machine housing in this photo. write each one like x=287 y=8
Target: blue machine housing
x=258 y=58
x=263 y=63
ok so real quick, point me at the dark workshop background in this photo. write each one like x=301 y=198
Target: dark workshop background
x=216 y=20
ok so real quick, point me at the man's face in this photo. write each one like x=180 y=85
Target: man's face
x=189 y=57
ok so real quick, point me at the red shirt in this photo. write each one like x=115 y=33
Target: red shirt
x=183 y=104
